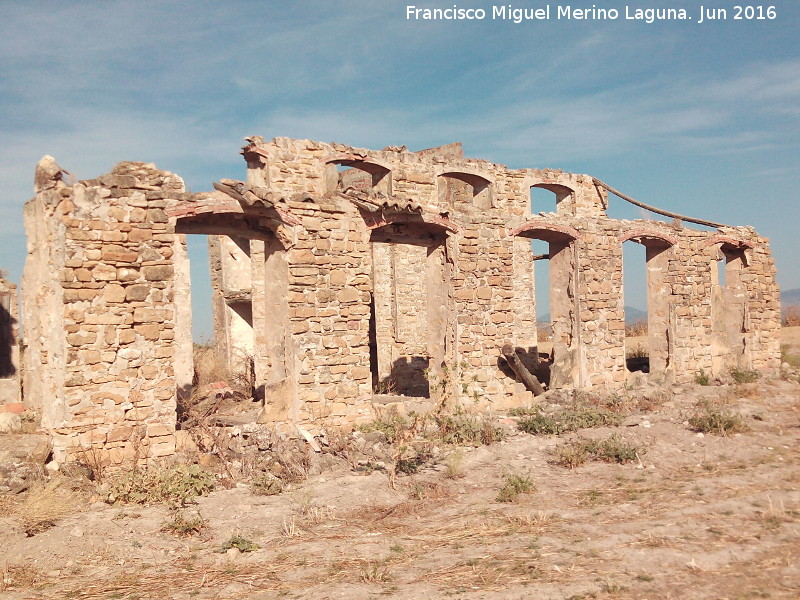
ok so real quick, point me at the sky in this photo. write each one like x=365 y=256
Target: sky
x=697 y=118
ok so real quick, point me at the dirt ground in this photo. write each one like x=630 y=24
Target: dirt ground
x=695 y=515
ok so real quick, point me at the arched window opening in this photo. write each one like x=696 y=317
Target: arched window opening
x=551 y=198
x=358 y=175
x=465 y=188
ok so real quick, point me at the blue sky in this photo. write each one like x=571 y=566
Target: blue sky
x=697 y=118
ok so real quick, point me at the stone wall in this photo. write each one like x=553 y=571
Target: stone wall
x=9 y=346
x=349 y=273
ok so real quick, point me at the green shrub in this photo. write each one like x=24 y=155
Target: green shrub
x=743 y=375
x=614 y=448
x=240 y=543
x=702 y=378
x=572 y=454
x=515 y=484
x=567 y=420
x=717 y=421
x=391 y=426
x=461 y=429
x=176 y=486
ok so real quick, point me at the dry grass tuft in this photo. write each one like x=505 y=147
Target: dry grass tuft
x=791 y=316
x=638 y=329
x=46 y=503
x=21 y=577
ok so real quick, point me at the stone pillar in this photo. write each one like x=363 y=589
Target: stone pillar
x=100 y=297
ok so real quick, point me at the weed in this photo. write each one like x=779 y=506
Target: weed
x=611 y=449
x=176 y=486
x=374 y=571
x=572 y=454
x=391 y=426
x=615 y=449
x=454 y=467
x=182 y=525
x=717 y=421
x=266 y=484
x=743 y=375
x=567 y=420
x=463 y=429
x=240 y=543
x=515 y=484
x=702 y=378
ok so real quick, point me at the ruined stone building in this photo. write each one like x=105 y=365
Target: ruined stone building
x=344 y=277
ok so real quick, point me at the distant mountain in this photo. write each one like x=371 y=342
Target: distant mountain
x=790 y=297
x=632 y=315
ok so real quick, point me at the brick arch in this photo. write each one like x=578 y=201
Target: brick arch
x=647 y=236
x=365 y=164
x=729 y=242
x=549 y=232
x=557 y=188
x=424 y=221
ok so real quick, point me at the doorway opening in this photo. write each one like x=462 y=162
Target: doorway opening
x=408 y=320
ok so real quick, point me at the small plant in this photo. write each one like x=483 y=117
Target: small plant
x=571 y=455
x=374 y=571
x=743 y=375
x=702 y=378
x=240 y=543
x=717 y=421
x=182 y=525
x=266 y=484
x=46 y=503
x=454 y=465
x=515 y=484
x=176 y=486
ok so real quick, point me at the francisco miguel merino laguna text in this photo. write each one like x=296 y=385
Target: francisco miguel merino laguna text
x=566 y=12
